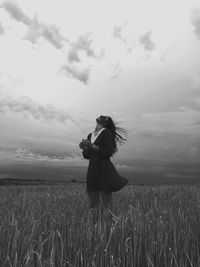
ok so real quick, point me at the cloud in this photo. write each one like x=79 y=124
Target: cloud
x=124 y=167
x=35 y=28
x=52 y=34
x=118 y=35
x=163 y=54
x=116 y=69
x=15 y=12
x=146 y=41
x=1 y=29
x=83 y=44
x=73 y=67
x=73 y=71
x=34 y=31
x=28 y=107
x=196 y=22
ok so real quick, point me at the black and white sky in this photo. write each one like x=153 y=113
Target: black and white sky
x=63 y=63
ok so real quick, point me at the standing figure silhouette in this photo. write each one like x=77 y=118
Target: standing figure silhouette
x=102 y=177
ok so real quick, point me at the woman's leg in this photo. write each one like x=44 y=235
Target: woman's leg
x=94 y=204
x=107 y=199
x=94 y=199
x=107 y=205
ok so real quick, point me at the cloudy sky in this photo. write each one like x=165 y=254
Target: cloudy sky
x=63 y=63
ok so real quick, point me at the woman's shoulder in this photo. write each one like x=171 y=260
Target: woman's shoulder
x=107 y=133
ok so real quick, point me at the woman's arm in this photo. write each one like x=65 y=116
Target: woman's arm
x=85 y=143
x=86 y=151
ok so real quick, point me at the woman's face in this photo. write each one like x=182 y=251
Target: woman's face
x=98 y=126
x=101 y=122
x=102 y=119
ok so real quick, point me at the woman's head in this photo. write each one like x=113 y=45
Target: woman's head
x=103 y=121
x=107 y=122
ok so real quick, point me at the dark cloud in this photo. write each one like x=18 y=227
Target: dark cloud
x=27 y=153
x=83 y=43
x=56 y=142
x=26 y=156
x=196 y=22
x=173 y=95
x=195 y=103
x=13 y=9
x=146 y=41
x=73 y=71
x=43 y=145
x=35 y=28
x=159 y=133
x=28 y=107
x=177 y=143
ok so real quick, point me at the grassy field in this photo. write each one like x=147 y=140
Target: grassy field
x=52 y=226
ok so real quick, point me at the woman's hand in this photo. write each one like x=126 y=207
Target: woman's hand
x=82 y=144
x=85 y=143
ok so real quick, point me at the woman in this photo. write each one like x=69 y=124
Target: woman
x=102 y=176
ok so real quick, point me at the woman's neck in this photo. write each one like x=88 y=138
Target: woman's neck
x=97 y=130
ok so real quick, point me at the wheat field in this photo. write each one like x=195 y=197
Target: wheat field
x=52 y=226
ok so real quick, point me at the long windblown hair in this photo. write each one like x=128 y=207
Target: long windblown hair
x=116 y=131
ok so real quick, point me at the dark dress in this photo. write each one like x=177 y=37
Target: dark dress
x=101 y=173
